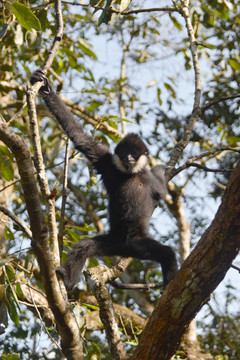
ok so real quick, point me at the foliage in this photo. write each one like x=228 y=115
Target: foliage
x=220 y=331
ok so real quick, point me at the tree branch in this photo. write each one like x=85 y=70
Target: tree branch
x=180 y=146
x=190 y=162
x=67 y=326
x=218 y=100
x=68 y=329
x=18 y=221
x=149 y=286
x=97 y=278
x=199 y=275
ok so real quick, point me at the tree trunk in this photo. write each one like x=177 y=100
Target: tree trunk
x=200 y=274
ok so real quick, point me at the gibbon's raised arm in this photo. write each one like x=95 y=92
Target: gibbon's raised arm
x=91 y=149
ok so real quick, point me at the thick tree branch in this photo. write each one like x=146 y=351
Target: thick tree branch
x=200 y=274
x=47 y=252
x=97 y=278
x=64 y=318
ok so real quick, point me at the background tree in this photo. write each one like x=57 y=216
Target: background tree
x=119 y=67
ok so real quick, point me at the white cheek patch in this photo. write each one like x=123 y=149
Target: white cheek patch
x=141 y=163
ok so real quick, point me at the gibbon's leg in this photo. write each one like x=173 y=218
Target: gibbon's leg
x=77 y=257
x=149 y=249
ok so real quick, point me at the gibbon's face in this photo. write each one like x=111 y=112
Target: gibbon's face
x=131 y=154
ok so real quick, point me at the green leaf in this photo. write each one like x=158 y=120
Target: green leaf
x=234 y=65
x=176 y=23
x=105 y=16
x=25 y=16
x=170 y=88
x=159 y=96
x=94 y=105
x=19 y=290
x=10 y=273
x=12 y=310
x=5 y=150
x=8 y=233
x=89 y=306
x=7 y=170
x=10 y=356
x=85 y=47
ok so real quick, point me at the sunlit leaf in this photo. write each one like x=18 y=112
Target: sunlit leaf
x=124 y=4
x=8 y=233
x=25 y=16
x=7 y=171
x=85 y=47
x=235 y=65
x=176 y=22
x=159 y=96
x=151 y=83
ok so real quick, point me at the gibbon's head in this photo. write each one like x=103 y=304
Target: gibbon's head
x=131 y=154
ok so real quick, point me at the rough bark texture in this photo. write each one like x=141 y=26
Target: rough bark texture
x=200 y=274
x=67 y=326
x=189 y=343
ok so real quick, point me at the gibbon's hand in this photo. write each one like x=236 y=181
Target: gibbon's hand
x=40 y=76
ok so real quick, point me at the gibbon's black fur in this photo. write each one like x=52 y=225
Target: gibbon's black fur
x=133 y=191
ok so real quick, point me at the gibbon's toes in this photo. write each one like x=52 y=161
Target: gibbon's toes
x=61 y=271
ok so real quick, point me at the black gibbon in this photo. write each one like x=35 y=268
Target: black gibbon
x=133 y=191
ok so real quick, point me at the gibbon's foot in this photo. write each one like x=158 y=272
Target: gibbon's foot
x=65 y=275
x=170 y=274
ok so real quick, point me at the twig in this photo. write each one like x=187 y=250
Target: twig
x=57 y=39
x=20 y=111
x=112 y=10
x=41 y=319
x=119 y=285
x=180 y=146
x=205 y=168
x=18 y=221
x=236 y=267
x=218 y=100
x=189 y=162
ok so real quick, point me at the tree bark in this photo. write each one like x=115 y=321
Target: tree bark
x=65 y=320
x=200 y=274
